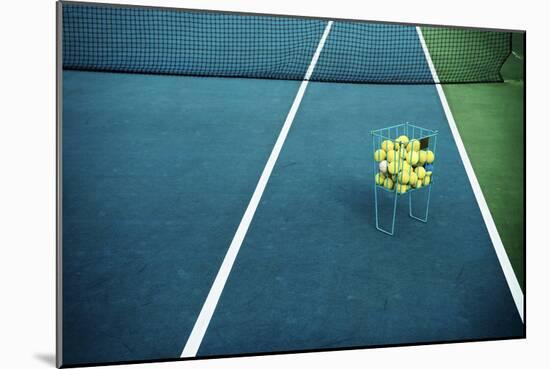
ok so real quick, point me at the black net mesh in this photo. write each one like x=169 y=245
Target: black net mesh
x=164 y=41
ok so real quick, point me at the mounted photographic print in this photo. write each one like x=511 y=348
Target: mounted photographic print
x=240 y=184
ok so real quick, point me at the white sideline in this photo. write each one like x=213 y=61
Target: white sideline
x=513 y=284
x=199 y=329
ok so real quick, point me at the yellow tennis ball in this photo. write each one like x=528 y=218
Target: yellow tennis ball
x=379 y=155
x=405 y=165
x=422 y=157
x=426 y=180
x=390 y=156
x=403 y=139
x=379 y=179
x=419 y=183
x=413 y=145
x=403 y=177
x=393 y=167
x=402 y=188
x=402 y=153
x=412 y=157
x=430 y=157
x=413 y=179
x=387 y=145
x=420 y=172
x=401 y=142
x=388 y=183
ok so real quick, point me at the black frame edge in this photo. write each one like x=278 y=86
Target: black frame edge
x=58 y=185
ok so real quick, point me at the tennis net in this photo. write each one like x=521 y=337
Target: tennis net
x=195 y=43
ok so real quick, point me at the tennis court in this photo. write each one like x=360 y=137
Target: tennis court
x=209 y=216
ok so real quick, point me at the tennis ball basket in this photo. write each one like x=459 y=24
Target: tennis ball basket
x=403 y=162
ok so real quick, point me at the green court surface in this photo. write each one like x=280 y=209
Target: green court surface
x=490 y=118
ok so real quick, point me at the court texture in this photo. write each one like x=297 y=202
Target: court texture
x=217 y=186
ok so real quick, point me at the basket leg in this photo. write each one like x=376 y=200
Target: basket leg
x=424 y=217
x=390 y=231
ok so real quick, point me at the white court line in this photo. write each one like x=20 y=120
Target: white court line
x=513 y=284
x=197 y=334
x=518 y=56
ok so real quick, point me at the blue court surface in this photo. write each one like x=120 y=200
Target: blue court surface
x=162 y=175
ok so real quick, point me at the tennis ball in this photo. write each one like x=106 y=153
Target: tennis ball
x=412 y=157
x=393 y=167
x=403 y=139
x=379 y=155
x=402 y=188
x=422 y=157
x=420 y=172
x=419 y=183
x=405 y=165
x=399 y=165
x=413 y=179
x=430 y=157
x=402 y=153
x=401 y=142
x=383 y=166
x=390 y=156
x=426 y=180
x=379 y=179
x=387 y=145
x=388 y=183
x=413 y=145
x=403 y=177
